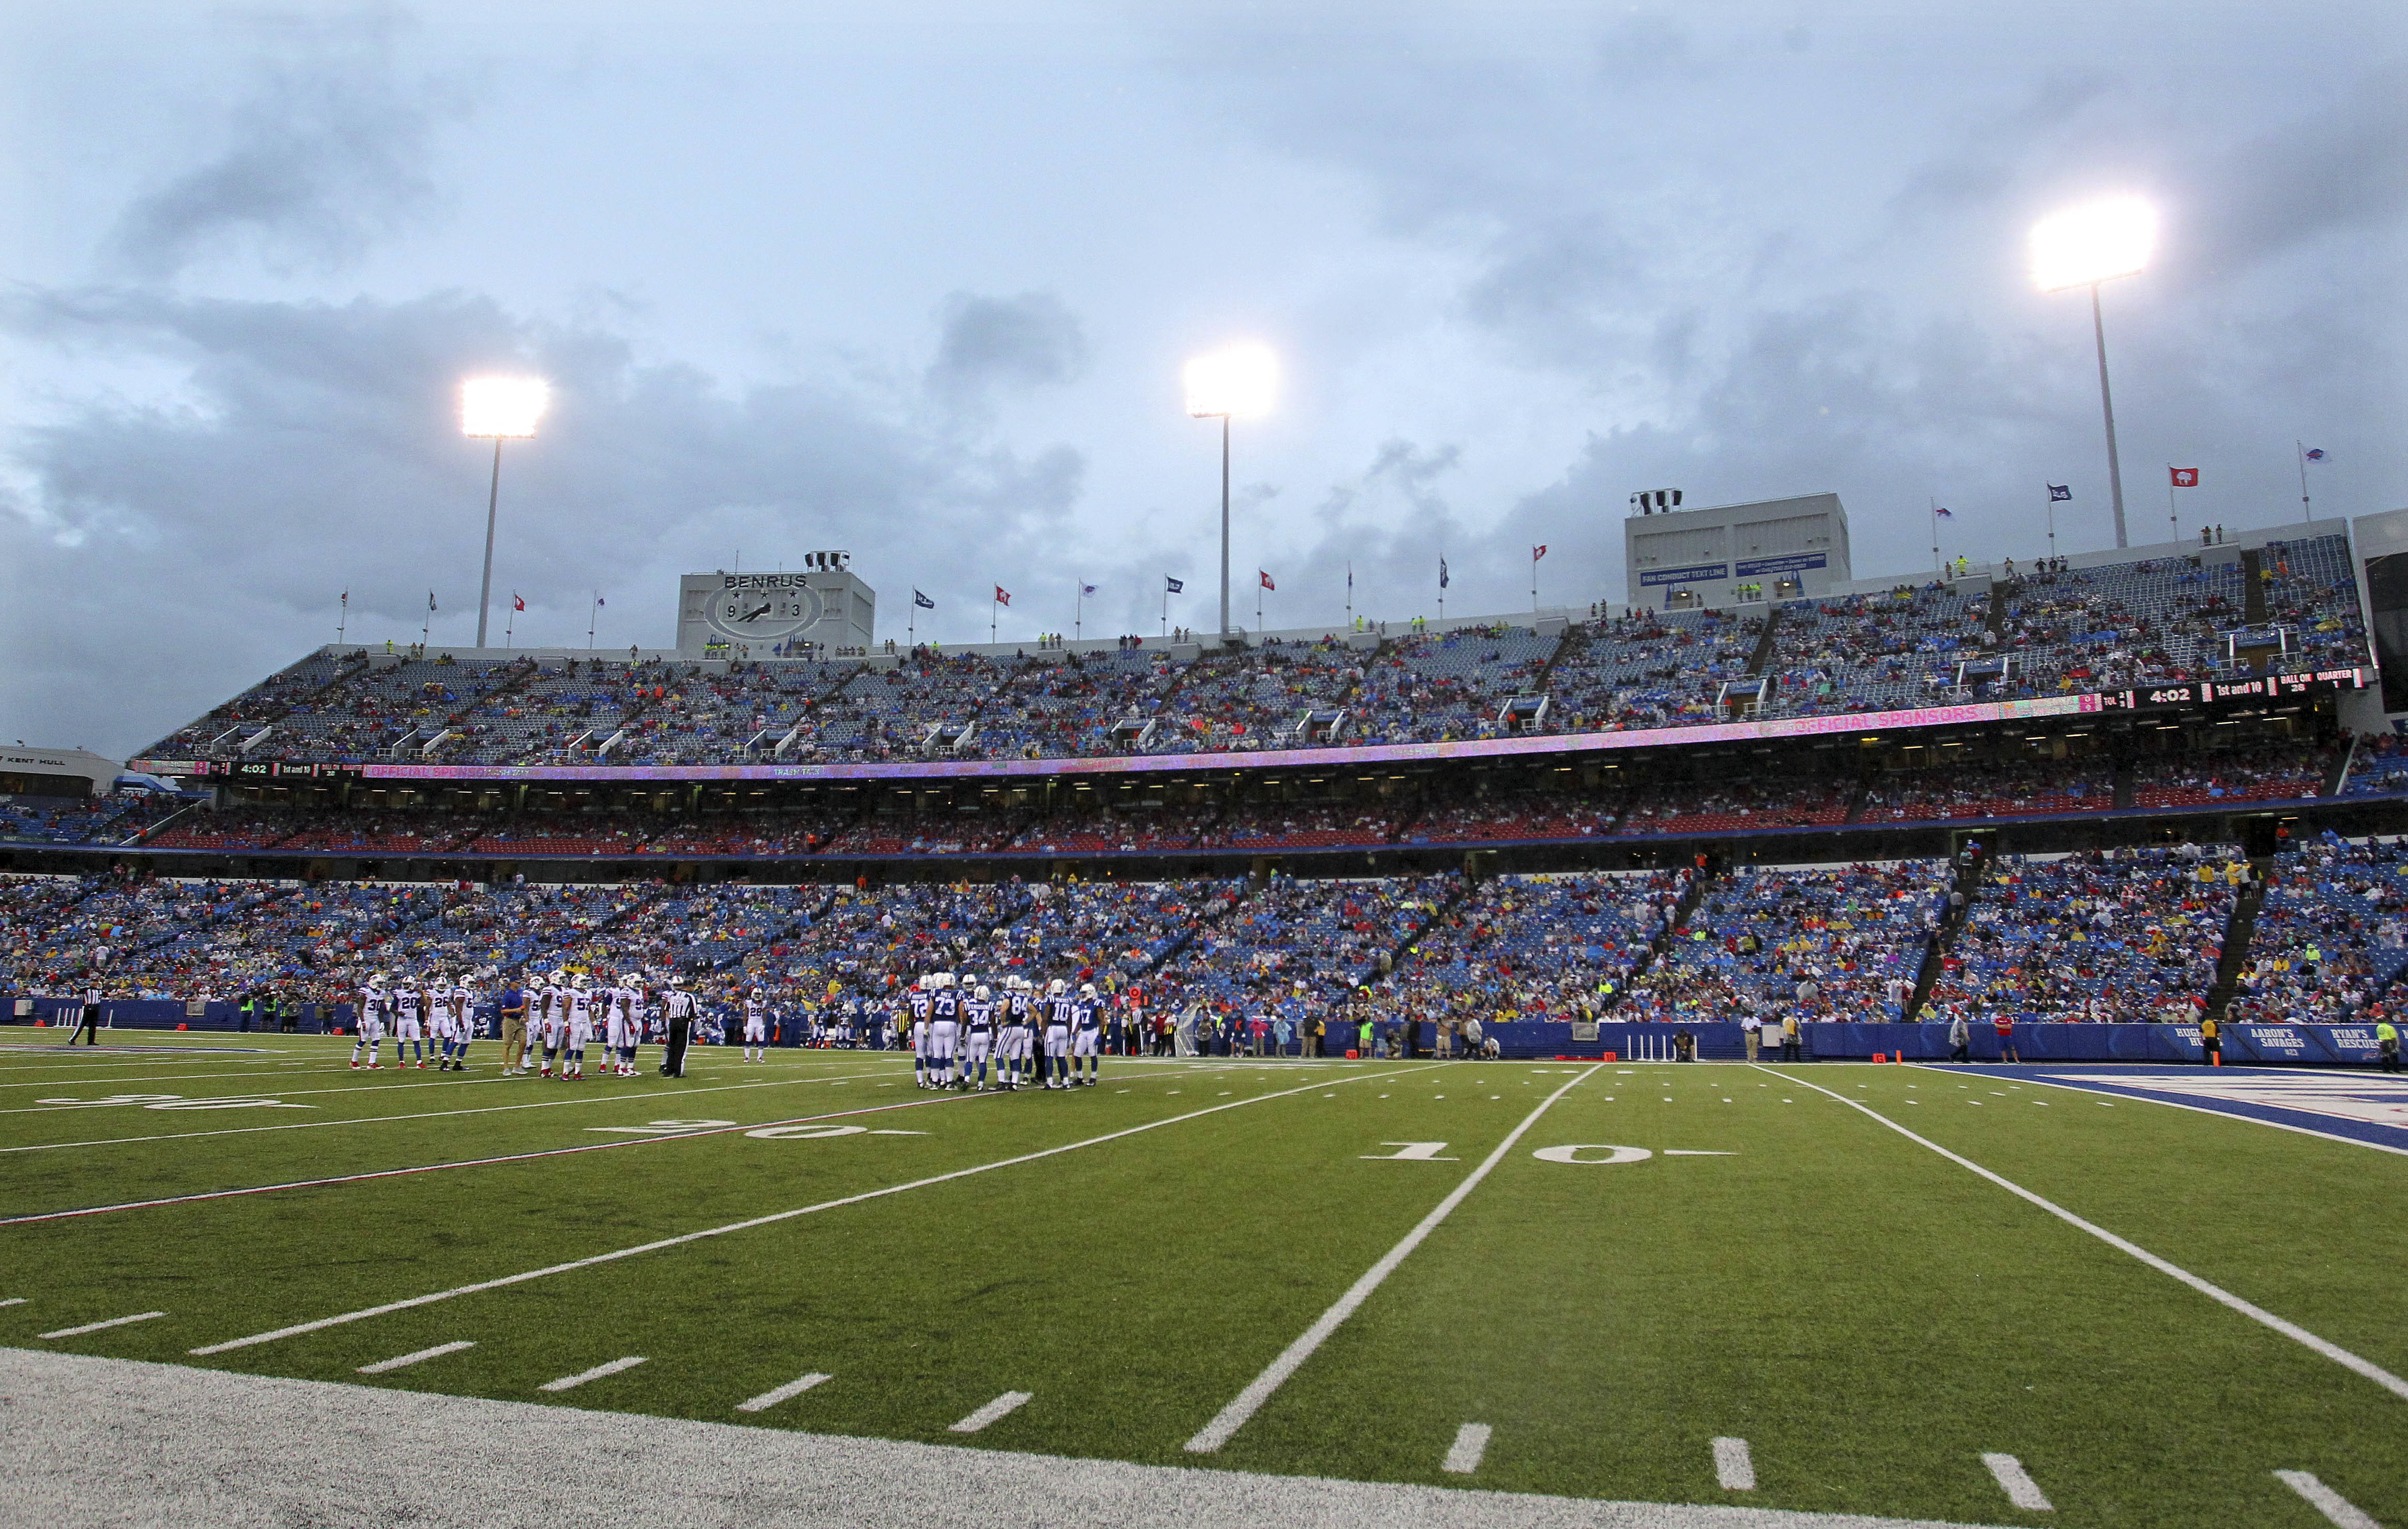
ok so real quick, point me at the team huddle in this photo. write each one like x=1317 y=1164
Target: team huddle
x=964 y=1035
x=441 y=1011
x=960 y=1028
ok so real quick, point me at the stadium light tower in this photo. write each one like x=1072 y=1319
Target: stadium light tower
x=1238 y=380
x=2082 y=247
x=504 y=407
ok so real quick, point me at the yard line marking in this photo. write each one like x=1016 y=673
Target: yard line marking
x=2291 y=1330
x=768 y=1399
x=2017 y=1484
x=1470 y=1443
x=748 y=1225
x=466 y=1163
x=423 y=1115
x=1734 y=1467
x=405 y=1360
x=2324 y=1499
x=1003 y=1405
x=14 y=1300
x=569 y=1383
x=1250 y=1401
x=96 y=1326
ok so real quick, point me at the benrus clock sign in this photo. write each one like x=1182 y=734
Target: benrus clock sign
x=765 y=608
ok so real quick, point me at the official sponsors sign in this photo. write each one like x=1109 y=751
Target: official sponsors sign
x=1702 y=573
x=1542 y=746
x=1790 y=562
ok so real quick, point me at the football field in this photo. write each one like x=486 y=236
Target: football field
x=1901 y=1292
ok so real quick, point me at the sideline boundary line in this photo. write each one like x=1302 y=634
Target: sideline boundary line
x=501 y=1281
x=468 y=1162
x=2141 y=1096
x=2291 y=1330
x=1233 y=1416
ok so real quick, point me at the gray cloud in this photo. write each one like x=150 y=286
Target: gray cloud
x=326 y=153
x=320 y=453
x=1020 y=341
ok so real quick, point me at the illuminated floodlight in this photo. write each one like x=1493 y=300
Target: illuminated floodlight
x=2094 y=242
x=498 y=407
x=1236 y=382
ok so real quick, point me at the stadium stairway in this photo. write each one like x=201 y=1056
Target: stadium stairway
x=2253 y=586
x=2123 y=783
x=2337 y=779
x=1761 y=659
x=1672 y=930
x=1935 y=955
x=1994 y=631
x=1395 y=953
x=2234 y=953
x=1574 y=640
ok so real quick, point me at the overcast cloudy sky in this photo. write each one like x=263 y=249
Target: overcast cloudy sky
x=921 y=285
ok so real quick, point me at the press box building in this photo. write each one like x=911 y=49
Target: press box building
x=1735 y=554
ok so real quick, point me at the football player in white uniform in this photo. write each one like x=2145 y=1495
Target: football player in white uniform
x=409 y=1030
x=438 y=1020
x=551 y=1008
x=1086 y=1032
x=756 y=1026
x=618 y=1004
x=464 y=1000
x=944 y=1016
x=977 y=1037
x=581 y=1028
x=1055 y=1066
x=921 y=1002
x=375 y=1003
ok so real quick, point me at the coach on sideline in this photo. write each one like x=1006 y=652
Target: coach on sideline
x=514 y=1008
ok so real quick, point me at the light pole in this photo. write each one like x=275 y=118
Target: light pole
x=1238 y=380
x=2082 y=247
x=502 y=407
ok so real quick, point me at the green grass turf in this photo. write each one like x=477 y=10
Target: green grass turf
x=1868 y=1315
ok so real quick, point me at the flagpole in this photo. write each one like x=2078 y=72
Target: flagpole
x=1350 y=595
x=1079 y=611
x=2299 y=455
x=510 y=622
x=343 y=622
x=1534 y=581
x=2173 y=517
x=2052 y=523
x=994 y=613
x=593 y=618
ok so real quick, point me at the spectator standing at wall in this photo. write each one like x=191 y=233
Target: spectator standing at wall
x=2005 y=1025
x=2210 y=1043
x=1792 y=1043
x=1751 y=1031
x=1960 y=1039
x=2386 y=1045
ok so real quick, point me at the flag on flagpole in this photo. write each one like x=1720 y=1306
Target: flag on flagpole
x=347 y=597
x=1172 y=586
x=598 y=600
x=1441 y=573
x=2184 y=477
x=1538 y=552
x=1086 y=589
x=923 y=601
x=518 y=602
x=1266 y=578
x=2314 y=453
x=2059 y=493
x=430 y=599
x=1002 y=595
x=1942 y=512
